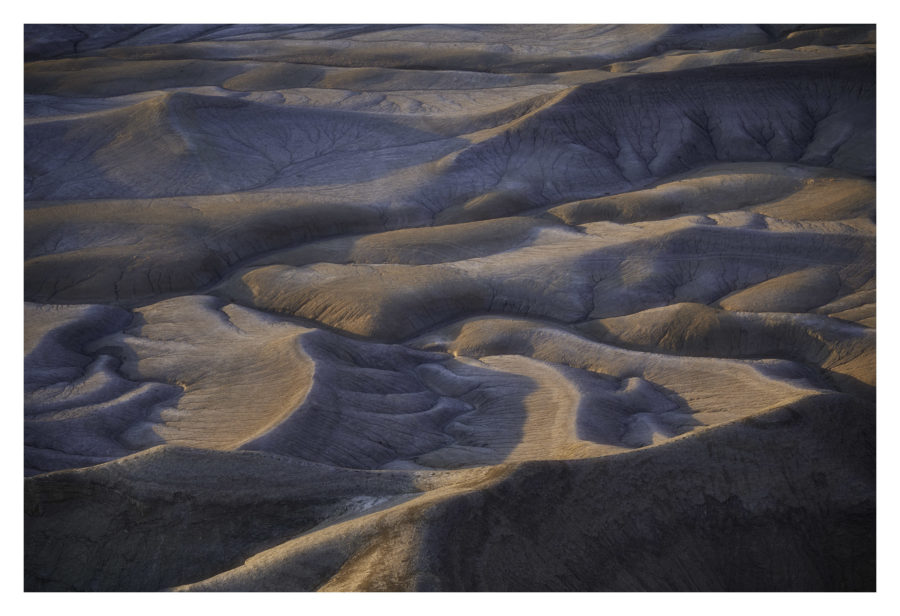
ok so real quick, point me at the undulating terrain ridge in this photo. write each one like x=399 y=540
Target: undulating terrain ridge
x=449 y=308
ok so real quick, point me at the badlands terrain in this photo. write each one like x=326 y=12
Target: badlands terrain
x=449 y=308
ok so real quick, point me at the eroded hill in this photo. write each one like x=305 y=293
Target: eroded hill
x=449 y=307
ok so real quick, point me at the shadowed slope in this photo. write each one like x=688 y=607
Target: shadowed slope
x=617 y=135
x=170 y=515
x=747 y=503
x=177 y=138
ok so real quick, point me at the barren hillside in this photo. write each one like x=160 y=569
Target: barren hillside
x=454 y=308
